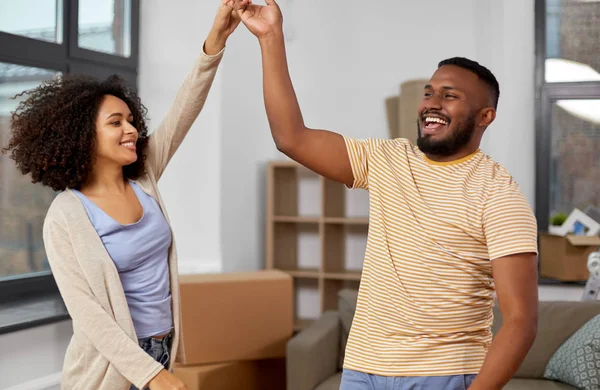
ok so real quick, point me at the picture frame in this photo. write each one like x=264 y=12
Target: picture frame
x=578 y=223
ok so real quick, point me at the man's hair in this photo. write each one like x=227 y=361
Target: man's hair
x=481 y=71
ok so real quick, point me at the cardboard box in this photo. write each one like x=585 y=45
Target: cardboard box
x=411 y=94
x=565 y=258
x=247 y=375
x=235 y=316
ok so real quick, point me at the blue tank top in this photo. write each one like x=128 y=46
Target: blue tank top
x=140 y=252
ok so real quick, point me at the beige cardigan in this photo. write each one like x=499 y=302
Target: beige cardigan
x=104 y=352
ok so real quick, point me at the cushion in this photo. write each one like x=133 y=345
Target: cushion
x=557 y=321
x=536 y=384
x=331 y=383
x=577 y=361
x=346 y=307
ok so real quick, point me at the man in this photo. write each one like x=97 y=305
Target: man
x=448 y=229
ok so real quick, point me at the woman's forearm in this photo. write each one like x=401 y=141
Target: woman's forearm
x=215 y=42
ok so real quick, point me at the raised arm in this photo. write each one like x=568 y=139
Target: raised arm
x=190 y=98
x=319 y=150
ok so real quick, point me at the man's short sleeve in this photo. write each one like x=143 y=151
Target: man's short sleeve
x=508 y=221
x=359 y=153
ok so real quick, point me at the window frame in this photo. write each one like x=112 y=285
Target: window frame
x=18 y=291
x=77 y=52
x=546 y=94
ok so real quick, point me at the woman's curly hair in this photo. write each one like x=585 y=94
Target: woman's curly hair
x=54 y=129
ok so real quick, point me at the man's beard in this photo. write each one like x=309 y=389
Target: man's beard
x=450 y=145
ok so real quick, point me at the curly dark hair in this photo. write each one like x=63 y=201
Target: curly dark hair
x=54 y=129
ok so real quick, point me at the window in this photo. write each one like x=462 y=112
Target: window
x=104 y=31
x=105 y=26
x=37 y=19
x=40 y=39
x=568 y=107
x=23 y=204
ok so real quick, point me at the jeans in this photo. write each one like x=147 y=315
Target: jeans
x=159 y=349
x=354 y=380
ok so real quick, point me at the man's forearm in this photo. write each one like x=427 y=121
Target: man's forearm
x=505 y=355
x=283 y=111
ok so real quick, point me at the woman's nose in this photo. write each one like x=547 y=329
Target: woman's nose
x=130 y=129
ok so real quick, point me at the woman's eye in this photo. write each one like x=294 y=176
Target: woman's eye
x=116 y=123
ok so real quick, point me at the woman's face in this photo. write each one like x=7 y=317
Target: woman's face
x=116 y=138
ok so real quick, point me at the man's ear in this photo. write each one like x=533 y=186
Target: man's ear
x=486 y=117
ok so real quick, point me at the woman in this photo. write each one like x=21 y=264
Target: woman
x=106 y=235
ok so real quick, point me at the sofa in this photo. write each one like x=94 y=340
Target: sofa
x=314 y=356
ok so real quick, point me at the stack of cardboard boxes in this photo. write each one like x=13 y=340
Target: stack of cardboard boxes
x=235 y=327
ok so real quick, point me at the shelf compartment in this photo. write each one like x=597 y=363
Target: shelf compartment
x=341 y=240
x=331 y=288
x=307 y=305
x=295 y=246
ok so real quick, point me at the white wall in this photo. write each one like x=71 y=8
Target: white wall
x=505 y=43
x=171 y=38
x=246 y=146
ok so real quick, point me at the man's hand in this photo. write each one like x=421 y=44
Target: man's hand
x=225 y=23
x=262 y=20
x=164 y=380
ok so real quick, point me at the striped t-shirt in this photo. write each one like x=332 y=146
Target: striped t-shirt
x=426 y=293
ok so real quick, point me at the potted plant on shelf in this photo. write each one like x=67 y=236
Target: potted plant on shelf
x=556 y=222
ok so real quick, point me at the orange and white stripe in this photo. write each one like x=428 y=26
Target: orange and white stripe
x=427 y=292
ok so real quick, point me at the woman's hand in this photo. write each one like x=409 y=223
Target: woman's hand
x=225 y=23
x=164 y=380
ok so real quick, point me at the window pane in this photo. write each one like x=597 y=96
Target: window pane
x=572 y=40
x=39 y=19
x=23 y=204
x=105 y=26
x=575 y=158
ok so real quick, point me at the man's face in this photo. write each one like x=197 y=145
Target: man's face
x=448 y=113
